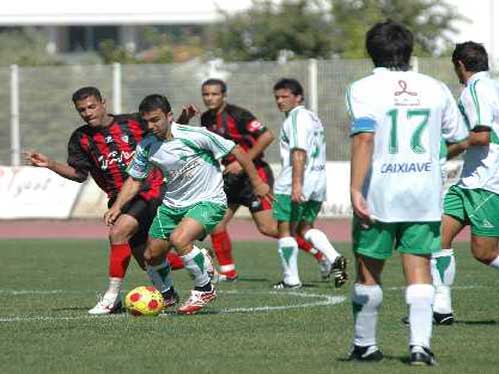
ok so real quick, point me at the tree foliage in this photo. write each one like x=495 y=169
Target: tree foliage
x=268 y=30
x=25 y=48
x=325 y=28
x=431 y=21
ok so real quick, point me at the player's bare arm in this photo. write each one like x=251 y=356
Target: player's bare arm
x=455 y=149
x=38 y=159
x=130 y=188
x=261 y=188
x=263 y=141
x=479 y=135
x=362 y=148
x=298 y=160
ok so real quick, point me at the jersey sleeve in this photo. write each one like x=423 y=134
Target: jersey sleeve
x=140 y=166
x=300 y=127
x=249 y=124
x=362 y=115
x=476 y=105
x=454 y=129
x=207 y=140
x=77 y=158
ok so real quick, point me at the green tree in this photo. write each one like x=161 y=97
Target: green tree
x=267 y=30
x=430 y=20
x=26 y=48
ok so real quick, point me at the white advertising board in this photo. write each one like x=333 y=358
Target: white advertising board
x=30 y=192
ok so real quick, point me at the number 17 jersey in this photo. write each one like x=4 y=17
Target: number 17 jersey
x=409 y=113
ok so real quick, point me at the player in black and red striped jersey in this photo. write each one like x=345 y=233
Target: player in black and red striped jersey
x=242 y=127
x=103 y=148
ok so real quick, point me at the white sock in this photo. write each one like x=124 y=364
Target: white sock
x=288 y=251
x=320 y=241
x=495 y=263
x=366 y=301
x=419 y=297
x=114 y=288
x=443 y=271
x=160 y=276
x=194 y=262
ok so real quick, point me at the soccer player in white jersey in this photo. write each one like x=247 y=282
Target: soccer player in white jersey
x=194 y=201
x=474 y=200
x=398 y=120
x=300 y=188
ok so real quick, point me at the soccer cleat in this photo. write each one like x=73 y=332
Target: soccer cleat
x=229 y=276
x=325 y=267
x=283 y=285
x=421 y=356
x=444 y=319
x=106 y=305
x=339 y=271
x=369 y=353
x=170 y=298
x=197 y=301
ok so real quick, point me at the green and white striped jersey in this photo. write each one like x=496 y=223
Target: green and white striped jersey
x=409 y=113
x=189 y=163
x=479 y=105
x=303 y=130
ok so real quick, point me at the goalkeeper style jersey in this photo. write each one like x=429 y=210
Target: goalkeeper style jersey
x=189 y=163
x=479 y=105
x=303 y=130
x=409 y=113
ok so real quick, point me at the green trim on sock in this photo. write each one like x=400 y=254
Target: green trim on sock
x=443 y=263
x=287 y=252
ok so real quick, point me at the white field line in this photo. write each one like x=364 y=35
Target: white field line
x=324 y=300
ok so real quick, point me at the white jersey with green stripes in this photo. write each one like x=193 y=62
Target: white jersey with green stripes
x=409 y=113
x=479 y=105
x=189 y=163
x=303 y=130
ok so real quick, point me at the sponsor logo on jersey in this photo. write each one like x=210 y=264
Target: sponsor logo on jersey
x=108 y=139
x=404 y=96
x=115 y=157
x=406 y=167
x=254 y=126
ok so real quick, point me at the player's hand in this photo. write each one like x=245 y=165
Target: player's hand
x=34 y=158
x=112 y=215
x=188 y=112
x=297 y=195
x=233 y=168
x=360 y=208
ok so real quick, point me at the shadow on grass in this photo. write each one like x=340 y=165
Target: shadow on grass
x=403 y=359
x=484 y=323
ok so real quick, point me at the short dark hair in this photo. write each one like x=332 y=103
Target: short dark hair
x=215 y=82
x=390 y=45
x=153 y=102
x=289 y=84
x=473 y=56
x=85 y=92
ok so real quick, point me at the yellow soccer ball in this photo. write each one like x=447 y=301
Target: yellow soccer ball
x=144 y=301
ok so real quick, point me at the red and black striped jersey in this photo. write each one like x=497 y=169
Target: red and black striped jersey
x=236 y=124
x=105 y=153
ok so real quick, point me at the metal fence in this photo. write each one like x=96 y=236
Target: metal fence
x=38 y=113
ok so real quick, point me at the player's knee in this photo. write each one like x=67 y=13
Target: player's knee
x=483 y=254
x=267 y=229
x=119 y=234
x=179 y=240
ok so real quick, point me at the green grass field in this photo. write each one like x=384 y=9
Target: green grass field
x=47 y=286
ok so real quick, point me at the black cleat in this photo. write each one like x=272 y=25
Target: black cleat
x=445 y=319
x=282 y=285
x=369 y=353
x=339 y=271
x=170 y=298
x=421 y=356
